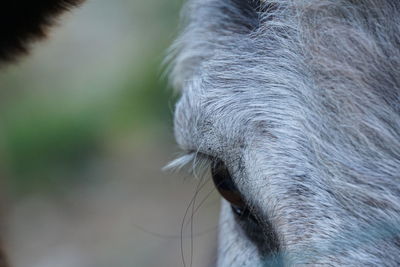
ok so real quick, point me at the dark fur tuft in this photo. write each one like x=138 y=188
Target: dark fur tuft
x=24 y=21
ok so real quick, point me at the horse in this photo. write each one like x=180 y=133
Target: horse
x=295 y=105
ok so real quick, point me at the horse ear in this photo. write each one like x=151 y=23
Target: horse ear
x=24 y=21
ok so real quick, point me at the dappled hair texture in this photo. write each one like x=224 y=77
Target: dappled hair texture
x=300 y=100
x=24 y=21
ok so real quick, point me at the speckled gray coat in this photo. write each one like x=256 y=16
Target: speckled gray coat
x=300 y=99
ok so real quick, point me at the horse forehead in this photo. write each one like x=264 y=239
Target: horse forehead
x=205 y=117
x=219 y=112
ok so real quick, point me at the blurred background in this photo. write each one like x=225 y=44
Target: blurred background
x=85 y=129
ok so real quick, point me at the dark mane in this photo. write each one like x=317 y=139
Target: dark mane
x=24 y=21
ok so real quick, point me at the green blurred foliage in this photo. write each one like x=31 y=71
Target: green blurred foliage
x=47 y=137
x=149 y=102
x=40 y=143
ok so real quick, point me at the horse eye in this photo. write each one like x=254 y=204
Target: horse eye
x=227 y=188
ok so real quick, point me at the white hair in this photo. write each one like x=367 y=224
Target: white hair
x=300 y=99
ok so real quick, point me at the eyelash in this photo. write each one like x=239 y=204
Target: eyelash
x=200 y=164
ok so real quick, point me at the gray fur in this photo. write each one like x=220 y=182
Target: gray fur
x=301 y=101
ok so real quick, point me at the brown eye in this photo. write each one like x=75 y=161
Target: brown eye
x=226 y=187
x=228 y=190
